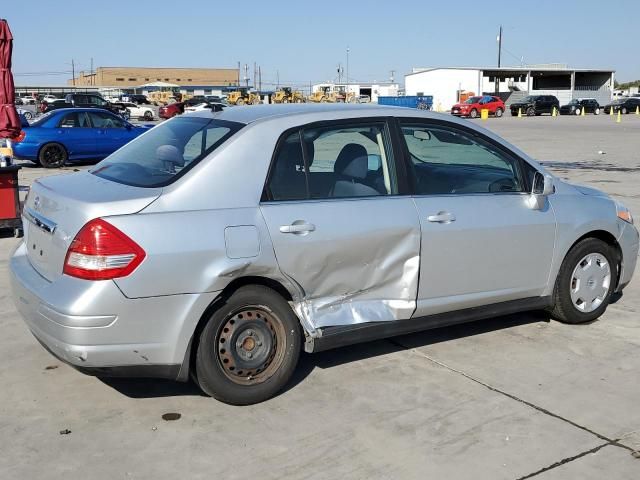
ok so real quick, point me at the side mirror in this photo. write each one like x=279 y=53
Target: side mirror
x=542 y=187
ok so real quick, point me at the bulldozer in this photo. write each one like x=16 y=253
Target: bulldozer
x=243 y=96
x=286 y=95
x=166 y=96
x=323 y=95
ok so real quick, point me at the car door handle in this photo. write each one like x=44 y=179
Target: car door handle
x=297 y=228
x=442 y=217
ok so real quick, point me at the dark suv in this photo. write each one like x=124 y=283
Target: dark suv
x=577 y=106
x=138 y=99
x=535 y=105
x=84 y=100
x=623 y=105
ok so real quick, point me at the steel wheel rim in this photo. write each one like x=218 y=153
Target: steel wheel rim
x=590 y=282
x=53 y=155
x=250 y=345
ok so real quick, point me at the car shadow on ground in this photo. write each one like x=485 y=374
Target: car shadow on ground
x=154 y=388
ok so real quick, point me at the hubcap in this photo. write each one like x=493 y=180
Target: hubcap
x=590 y=282
x=250 y=345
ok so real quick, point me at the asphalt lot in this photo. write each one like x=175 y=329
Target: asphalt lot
x=508 y=398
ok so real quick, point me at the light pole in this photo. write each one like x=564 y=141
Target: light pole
x=347 y=69
x=497 y=84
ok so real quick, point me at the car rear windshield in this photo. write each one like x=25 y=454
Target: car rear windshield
x=166 y=152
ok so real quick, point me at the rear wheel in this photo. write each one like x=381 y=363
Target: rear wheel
x=585 y=282
x=499 y=112
x=473 y=113
x=531 y=112
x=597 y=111
x=624 y=110
x=148 y=115
x=52 y=155
x=249 y=347
x=28 y=115
x=577 y=111
x=240 y=101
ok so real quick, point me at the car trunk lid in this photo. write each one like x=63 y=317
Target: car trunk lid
x=58 y=207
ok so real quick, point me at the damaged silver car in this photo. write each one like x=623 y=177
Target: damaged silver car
x=218 y=246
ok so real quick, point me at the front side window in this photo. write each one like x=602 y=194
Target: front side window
x=343 y=161
x=448 y=161
x=165 y=152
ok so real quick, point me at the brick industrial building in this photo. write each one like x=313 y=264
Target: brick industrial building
x=128 y=77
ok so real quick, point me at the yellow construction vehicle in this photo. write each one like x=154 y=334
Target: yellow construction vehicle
x=286 y=95
x=243 y=96
x=322 y=95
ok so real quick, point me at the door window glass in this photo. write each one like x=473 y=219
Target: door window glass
x=448 y=161
x=342 y=161
x=349 y=161
x=104 y=120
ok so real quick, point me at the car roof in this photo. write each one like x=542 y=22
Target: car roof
x=81 y=109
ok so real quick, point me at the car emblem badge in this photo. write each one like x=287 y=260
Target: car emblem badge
x=36 y=203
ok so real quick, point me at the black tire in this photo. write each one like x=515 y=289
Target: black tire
x=499 y=112
x=28 y=115
x=531 y=112
x=148 y=115
x=624 y=110
x=52 y=155
x=473 y=113
x=564 y=309
x=259 y=317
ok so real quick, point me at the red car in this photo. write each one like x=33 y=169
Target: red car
x=171 y=110
x=472 y=106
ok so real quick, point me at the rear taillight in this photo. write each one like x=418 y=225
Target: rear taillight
x=20 y=137
x=101 y=252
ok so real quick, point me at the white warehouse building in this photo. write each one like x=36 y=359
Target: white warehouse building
x=447 y=85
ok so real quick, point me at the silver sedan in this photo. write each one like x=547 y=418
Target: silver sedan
x=218 y=246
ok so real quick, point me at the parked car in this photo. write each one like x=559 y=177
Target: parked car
x=472 y=106
x=50 y=98
x=27 y=100
x=28 y=114
x=53 y=105
x=623 y=105
x=578 y=105
x=212 y=106
x=195 y=100
x=171 y=110
x=138 y=111
x=71 y=134
x=85 y=100
x=136 y=98
x=317 y=227
x=535 y=105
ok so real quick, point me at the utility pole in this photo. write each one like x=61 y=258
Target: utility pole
x=259 y=78
x=277 y=79
x=497 y=82
x=92 y=79
x=73 y=72
x=392 y=78
x=246 y=74
x=238 y=74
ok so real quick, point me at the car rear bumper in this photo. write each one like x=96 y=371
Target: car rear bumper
x=95 y=328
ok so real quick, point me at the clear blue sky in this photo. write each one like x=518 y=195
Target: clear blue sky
x=305 y=40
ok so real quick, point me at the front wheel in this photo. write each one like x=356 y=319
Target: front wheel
x=577 y=111
x=624 y=110
x=249 y=347
x=531 y=112
x=585 y=282
x=473 y=113
x=148 y=115
x=499 y=112
x=597 y=111
x=52 y=155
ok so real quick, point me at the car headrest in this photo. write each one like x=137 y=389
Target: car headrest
x=171 y=154
x=352 y=161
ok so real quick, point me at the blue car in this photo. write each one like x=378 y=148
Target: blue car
x=70 y=134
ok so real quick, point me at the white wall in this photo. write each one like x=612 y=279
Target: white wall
x=443 y=84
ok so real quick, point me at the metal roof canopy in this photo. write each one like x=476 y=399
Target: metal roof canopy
x=504 y=70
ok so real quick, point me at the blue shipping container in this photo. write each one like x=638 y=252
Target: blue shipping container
x=424 y=102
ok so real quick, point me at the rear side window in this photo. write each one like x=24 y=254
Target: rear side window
x=165 y=152
x=341 y=161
